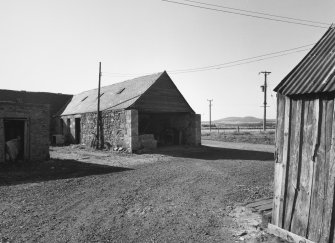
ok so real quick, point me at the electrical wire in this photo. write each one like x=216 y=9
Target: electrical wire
x=240 y=60
x=222 y=65
x=247 y=15
x=238 y=64
x=261 y=13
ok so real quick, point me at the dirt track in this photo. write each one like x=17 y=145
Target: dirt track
x=176 y=195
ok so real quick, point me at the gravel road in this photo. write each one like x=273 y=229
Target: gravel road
x=176 y=194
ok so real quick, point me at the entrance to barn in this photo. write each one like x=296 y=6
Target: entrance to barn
x=77 y=130
x=15 y=139
x=164 y=129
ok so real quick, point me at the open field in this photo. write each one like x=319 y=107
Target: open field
x=177 y=194
x=254 y=137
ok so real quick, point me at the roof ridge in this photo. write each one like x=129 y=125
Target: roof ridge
x=37 y=92
x=111 y=95
x=118 y=83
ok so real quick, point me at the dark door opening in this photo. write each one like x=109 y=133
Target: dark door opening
x=170 y=136
x=77 y=130
x=14 y=139
x=61 y=126
x=167 y=128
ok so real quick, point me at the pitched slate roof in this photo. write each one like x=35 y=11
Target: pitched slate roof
x=316 y=71
x=56 y=101
x=116 y=96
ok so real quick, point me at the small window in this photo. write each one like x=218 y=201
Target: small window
x=120 y=90
x=84 y=99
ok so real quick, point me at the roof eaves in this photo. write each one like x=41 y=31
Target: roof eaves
x=283 y=86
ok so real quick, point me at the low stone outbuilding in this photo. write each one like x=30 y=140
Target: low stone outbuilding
x=136 y=113
x=24 y=131
x=57 y=102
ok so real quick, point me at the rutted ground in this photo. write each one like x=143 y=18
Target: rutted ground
x=178 y=194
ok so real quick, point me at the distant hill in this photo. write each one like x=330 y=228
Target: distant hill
x=240 y=120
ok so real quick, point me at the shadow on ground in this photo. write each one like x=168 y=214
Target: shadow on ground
x=213 y=153
x=54 y=169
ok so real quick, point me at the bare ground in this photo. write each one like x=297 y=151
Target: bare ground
x=177 y=194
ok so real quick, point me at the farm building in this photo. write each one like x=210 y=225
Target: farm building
x=305 y=146
x=56 y=102
x=136 y=113
x=24 y=131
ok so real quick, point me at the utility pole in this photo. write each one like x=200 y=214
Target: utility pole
x=264 y=88
x=210 y=114
x=98 y=114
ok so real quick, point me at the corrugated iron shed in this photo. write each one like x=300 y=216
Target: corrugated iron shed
x=316 y=71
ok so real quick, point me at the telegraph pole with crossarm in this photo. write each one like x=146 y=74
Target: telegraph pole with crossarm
x=264 y=88
x=210 y=115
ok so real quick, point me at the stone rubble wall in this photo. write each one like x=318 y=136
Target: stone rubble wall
x=113 y=127
x=120 y=128
x=37 y=120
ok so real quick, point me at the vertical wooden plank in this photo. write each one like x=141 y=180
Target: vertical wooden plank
x=317 y=196
x=295 y=148
x=278 y=157
x=329 y=175
x=285 y=160
x=301 y=213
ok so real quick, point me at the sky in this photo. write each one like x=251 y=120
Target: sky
x=56 y=46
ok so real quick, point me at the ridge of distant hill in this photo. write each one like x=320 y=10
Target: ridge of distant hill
x=238 y=120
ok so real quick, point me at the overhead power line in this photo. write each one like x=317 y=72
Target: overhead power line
x=236 y=63
x=243 y=63
x=261 y=13
x=217 y=66
x=223 y=65
x=247 y=15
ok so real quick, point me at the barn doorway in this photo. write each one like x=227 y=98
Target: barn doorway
x=15 y=137
x=77 y=130
x=167 y=128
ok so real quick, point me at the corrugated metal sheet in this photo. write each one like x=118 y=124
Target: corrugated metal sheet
x=117 y=96
x=316 y=71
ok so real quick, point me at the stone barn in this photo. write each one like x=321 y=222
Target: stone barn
x=24 y=131
x=137 y=113
x=304 y=185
